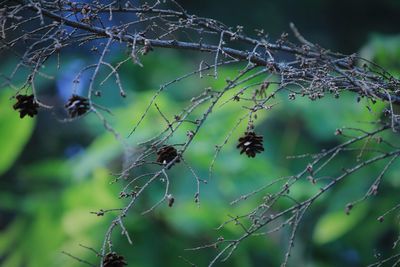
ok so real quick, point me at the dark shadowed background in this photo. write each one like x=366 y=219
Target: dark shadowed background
x=52 y=174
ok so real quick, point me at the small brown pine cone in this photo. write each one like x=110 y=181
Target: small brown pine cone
x=112 y=259
x=77 y=106
x=26 y=105
x=251 y=144
x=166 y=154
x=171 y=200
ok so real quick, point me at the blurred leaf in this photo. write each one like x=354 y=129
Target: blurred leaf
x=15 y=260
x=102 y=150
x=9 y=235
x=323 y=116
x=47 y=169
x=8 y=200
x=14 y=132
x=385 y=51
x=333 y=225
x=94 y=193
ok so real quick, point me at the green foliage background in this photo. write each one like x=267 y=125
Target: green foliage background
x=47 y=193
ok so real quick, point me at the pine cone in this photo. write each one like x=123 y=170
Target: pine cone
x=26 y=105
x=112 y=259
x=166 y=154
x=251 y=144
x=77 y=106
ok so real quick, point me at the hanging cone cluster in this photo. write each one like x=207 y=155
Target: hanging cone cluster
x=112 y=259
x=166 y=154
x=77 y=106
x=26 y=105
x=251 y=144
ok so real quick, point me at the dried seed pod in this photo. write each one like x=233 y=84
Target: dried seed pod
x=338 y=131
x=112 y=259
x=387 y=112
x=166 y=154
x=26 y=105
x=147 y=47
x=171 y=200
x=251 y=144
x=77 y=106
x=310 y=169
x=348 y=208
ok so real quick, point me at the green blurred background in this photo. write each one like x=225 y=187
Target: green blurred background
x=54 y=174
